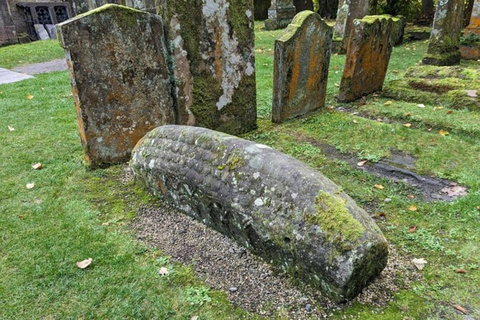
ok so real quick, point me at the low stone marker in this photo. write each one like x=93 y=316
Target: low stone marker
x=348 y=10
x=280 y=14
x=274 y=205
x=368 y=54
x=470 y=47
x=300 y=71
x=444 y=43
x=120 y=79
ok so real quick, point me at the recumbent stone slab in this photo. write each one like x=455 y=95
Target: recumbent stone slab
x=213 y=56
x=444 y=43
x=368 y=55
x=300 y=71
x=274 y=205
x=118 y=65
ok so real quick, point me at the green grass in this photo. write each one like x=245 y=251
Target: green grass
x=60 y=221
x=22 y=54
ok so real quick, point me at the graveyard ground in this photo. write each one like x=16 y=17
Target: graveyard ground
x=72 y=214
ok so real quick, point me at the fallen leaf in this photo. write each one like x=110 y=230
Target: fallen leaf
x=85 y=263
x=355 y=121
x=408 y=114
x=37 y=166
x=106 y=224
x=412 y=229
x=38 y=201
x=460 y=271
x=331 y=107
x=379 y=186
x=337 y=85
x=336 y=67
x=421 y=105
x=419 y=263
x=382 y=214
x=429 y=129
x=163 y=271
x=20 y=217
x=395 y=71
x=412 y=208
x=461 y=309
x=379 y=120
x=361 y=163
x=454 y=191
x=411 y=196
x=194 y=318
x=408 y=125
x=11 y=128
x=437 y=108
x=443 y=133
x=449 y=111
x=29 y=97
x=389 y=102
x=471 y=93
x=30 y=185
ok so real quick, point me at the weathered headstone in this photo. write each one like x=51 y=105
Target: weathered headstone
x=212 y=45
x=274 y=205
x=280 y=14
x=470 y=47
x=7 y=26
x=444 y=43
x=300 y=72
x=121 y=82
x=398 y=28
x=41 y=32
x=52 y=33
x=368 y=54
x=348 y=10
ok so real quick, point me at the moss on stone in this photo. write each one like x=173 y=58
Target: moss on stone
x=333 y=217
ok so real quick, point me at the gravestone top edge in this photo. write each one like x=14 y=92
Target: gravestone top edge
x=295 y=26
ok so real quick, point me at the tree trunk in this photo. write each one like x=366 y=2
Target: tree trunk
x=468 y=12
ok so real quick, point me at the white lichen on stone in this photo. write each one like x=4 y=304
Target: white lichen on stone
x=259 y=202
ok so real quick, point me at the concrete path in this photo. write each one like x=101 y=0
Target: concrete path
x=7 y=76
x=43 y=67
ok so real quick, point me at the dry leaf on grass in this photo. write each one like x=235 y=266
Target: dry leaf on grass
x=387 y=103
x=163 y=271
x=412 y=229
x=11 y=128
x=85 y=263
x=461 y=309
x=419 y=263
x=38 y=201
x=412 y=208
x=408 y=114
x=443 y=132
x=460 y=271
x=361 y=163
x=408 y=125
x=37 y=166
x=29 y=97
x=449 y=111
x=30 y=185
x=421 y=105
x=106 y=224
x=454 y=191
x=379 y=186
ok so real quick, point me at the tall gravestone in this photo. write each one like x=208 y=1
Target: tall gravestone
x=213 y=57
x=474 y=25
x=121 y=82
x=300 y=72
x=7 y=25
x=444 y=43
x=280 y=14
x=368 y=54
x=348 y=10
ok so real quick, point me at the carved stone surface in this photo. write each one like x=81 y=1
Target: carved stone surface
x=280 y=14
x=348 y=10
x=120 y=79
x=368 y=54
x=212 y=45
x=274 y=205
x=444 y=43
x=300 y=72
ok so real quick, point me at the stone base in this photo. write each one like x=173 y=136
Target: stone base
x=446 y=59
x=470 y=52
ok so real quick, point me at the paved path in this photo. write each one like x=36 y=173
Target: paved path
x=26 y=72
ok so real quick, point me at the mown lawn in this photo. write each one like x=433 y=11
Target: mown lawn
x=72 y=214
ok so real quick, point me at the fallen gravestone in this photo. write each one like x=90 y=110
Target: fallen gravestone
x=470 y=44
x=121 y=84
x=272 y=204
x=369 y=51
x=213 y=56
x=280 y=14
x=348 y=10
x=444 y=43
x=300 y=72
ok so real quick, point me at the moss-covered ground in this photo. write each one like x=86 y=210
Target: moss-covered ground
x=72 y=214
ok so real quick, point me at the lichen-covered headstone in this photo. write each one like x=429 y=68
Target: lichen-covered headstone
x=280 y=14
x=213 y=57
x=368 y=54
x=470 y=47
x=444 y=43
x=398 y=28
x=348 y=10
x=121 y=82
x=274 y=205
x=300 y=72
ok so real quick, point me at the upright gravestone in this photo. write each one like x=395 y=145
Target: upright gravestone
x=474 y=25
x=470 y=48
x=348 y=10
x=213 y=55
x=7 y=26
x=280 y=14
x=444 y=43
x=300 y=72
x=121 y=82
x=368 y=54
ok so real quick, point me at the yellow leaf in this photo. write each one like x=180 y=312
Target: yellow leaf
x=387 y=103
x=29 y=97
x=443 y=132
x=85 y=263
x=412 y=208
x=408 y=114
x=30 y=185
x=11 y=128
x=355 y=121
x=37 y=166
x=379 y=186
x=408 y=125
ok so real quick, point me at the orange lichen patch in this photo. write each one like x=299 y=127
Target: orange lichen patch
x=295 y=74
x=474 y=26
x=218 y=56
x=470 y=53
x=313 y=66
